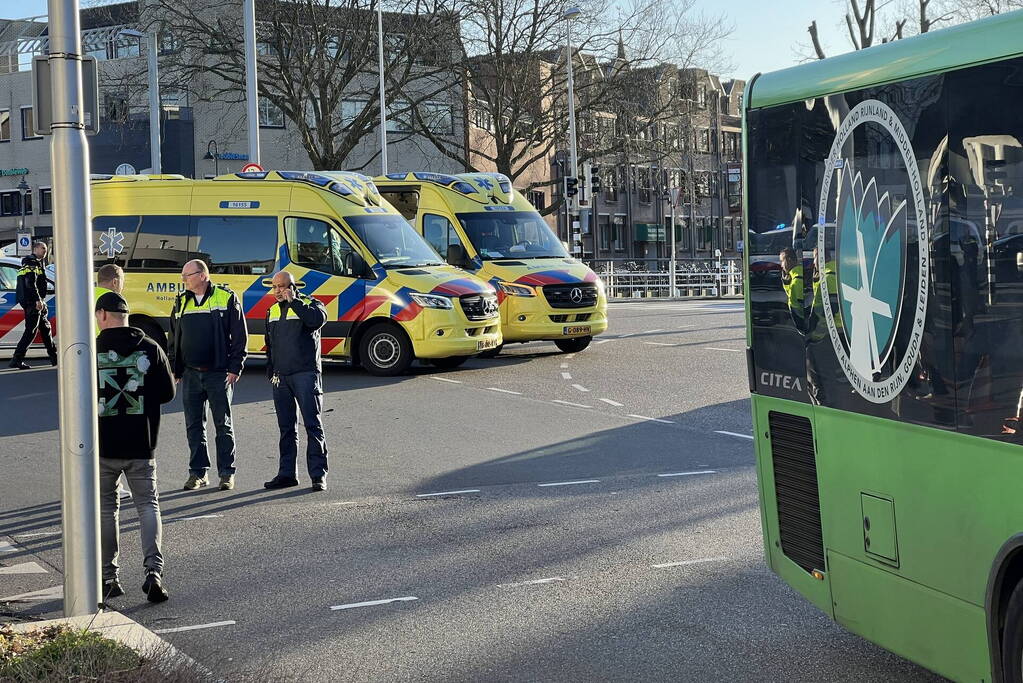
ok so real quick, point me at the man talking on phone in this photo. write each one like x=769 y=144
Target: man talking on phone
x=293 y=366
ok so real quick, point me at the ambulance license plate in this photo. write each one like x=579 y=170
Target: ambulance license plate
x=577 y=329
x=486 y=344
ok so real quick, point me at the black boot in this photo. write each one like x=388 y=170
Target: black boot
x=18 y=363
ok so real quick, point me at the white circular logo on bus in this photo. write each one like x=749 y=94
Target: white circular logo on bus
x=866 y=269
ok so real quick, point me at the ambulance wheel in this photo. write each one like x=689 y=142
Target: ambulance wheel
x=1012 y=638
x=151 y=330
x=573 y=345
x=490 y=353
x=385 y=351
x=449 y=363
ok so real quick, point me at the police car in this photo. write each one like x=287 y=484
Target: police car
x=12 y=317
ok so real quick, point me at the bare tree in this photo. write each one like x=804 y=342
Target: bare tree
x=318 y=65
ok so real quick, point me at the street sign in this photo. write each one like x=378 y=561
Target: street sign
x=42 y=98
x=125 y=169
x=251 y=168
x=24 y=243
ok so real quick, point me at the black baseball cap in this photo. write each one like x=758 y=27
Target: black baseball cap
x=112 y=302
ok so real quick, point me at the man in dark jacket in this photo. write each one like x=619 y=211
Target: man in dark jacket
x=31 y=295
x=293 y=366
x=134 y=381
x=207 y=351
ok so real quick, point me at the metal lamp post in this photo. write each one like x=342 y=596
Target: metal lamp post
x=153 y=77
x=23 y=188
x=251 y=80
x=669 y=196
x=383 y=94
x=570 y=14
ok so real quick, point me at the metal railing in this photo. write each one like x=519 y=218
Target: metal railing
x=651 y=278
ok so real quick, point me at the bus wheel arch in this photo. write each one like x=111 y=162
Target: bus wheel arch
x=151 y=327
x=1006 y=579
x=384 y=348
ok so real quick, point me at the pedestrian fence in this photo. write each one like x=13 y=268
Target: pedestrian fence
x=652 y=278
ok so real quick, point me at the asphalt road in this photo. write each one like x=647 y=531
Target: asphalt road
x=559 y=550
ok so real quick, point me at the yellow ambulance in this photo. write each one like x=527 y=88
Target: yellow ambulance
x=389 y=297
x=477 y=221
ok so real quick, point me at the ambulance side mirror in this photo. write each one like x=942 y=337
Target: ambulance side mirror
x=356 y=266
x=457 y=256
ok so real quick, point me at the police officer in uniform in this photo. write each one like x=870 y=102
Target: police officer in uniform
x=293 y=366
x=207 y=351
x=31 y=295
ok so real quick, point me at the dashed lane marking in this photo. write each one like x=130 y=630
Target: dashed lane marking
x=603 y=341
x=446 y=493
x=534 y=582
x=374 y=603
x=33 y=534
x=608 y=401
x=652 y=331
x=687 y=474
x=741 y=436
x=505 y=391
x=718 y=348
x=445 y=379
x=566 y=375
x=569 y=403
x=24 y=568
x=51 y=593
x=652 y=419
x=193 y=518
x=579 y=387
x=687 y=563
x=197 y=627
x=564 y=365
x=570 y=483
x=660 y=344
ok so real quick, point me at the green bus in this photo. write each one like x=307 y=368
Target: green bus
x=884 y=201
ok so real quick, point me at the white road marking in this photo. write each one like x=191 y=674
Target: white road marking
x=347 y=502
x=603 y=341
x=446 y=493
x=534 y=582
x=38 y=533
x=189 y=519
x=608 y=401
x=741 y=436
x=505 y=391
x=687 y=474
x=564 y=365
x=8 y=547
x=571 y=483
x=569 y=403
x=52 y=593
x=565 y=375
x=445 y=379
x=660 y=344
x=652 y=419
x=23 y=568
x=718 y=348
x=179 y=629
x=652 y=331
x=580 y=387
x=686 y=563
x=623 y=336
x=570 y=356
x=374 y=603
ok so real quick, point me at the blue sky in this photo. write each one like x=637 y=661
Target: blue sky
x=768 y=34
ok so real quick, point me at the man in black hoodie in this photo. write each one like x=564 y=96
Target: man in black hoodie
x=134 y=380
x=31 y=295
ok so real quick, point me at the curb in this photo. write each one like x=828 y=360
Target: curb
x=128 y=632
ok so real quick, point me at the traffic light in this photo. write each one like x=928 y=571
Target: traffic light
x=571 y=186
x=595 y=183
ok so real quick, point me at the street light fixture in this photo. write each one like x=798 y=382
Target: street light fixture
x=23 y=188
x=214 y=155
x=153 y=75
x=569 y=14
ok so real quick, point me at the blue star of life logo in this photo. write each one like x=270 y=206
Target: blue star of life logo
x=111 y=242
x=485 y=183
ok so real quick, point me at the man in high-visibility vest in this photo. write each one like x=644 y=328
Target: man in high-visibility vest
x=207 y=351
x=31 y=295
x=109 y=278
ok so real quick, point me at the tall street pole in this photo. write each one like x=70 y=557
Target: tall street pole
x=251 y=79
x=383 y=93
x=570 y=14
x=76 y=343
x=155 y=160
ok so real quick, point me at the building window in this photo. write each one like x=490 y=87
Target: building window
x=45 y=201
x=126 y=46
x=173 y=98
x=705 y=140
x=350 y=110
x=398 y=117
x=538 y=199
x=28 y=131
x=5 y=125
x=270 y=115
x=10 y=203
x=168 y=43
x=116 y=107
x=437 y=117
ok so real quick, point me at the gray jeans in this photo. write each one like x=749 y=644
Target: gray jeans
x=141 y=476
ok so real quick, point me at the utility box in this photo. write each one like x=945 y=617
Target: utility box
x=880 y=540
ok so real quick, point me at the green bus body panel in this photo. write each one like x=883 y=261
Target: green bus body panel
x=945 y=634
x=976 y=42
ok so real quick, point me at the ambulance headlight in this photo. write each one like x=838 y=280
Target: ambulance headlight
x=512 y=289
x=431 y=300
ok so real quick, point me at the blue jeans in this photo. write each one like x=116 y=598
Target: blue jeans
x=305 y=389
x=197 y=390
x=141 y=476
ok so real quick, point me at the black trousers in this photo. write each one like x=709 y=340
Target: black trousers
x=36 y=321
